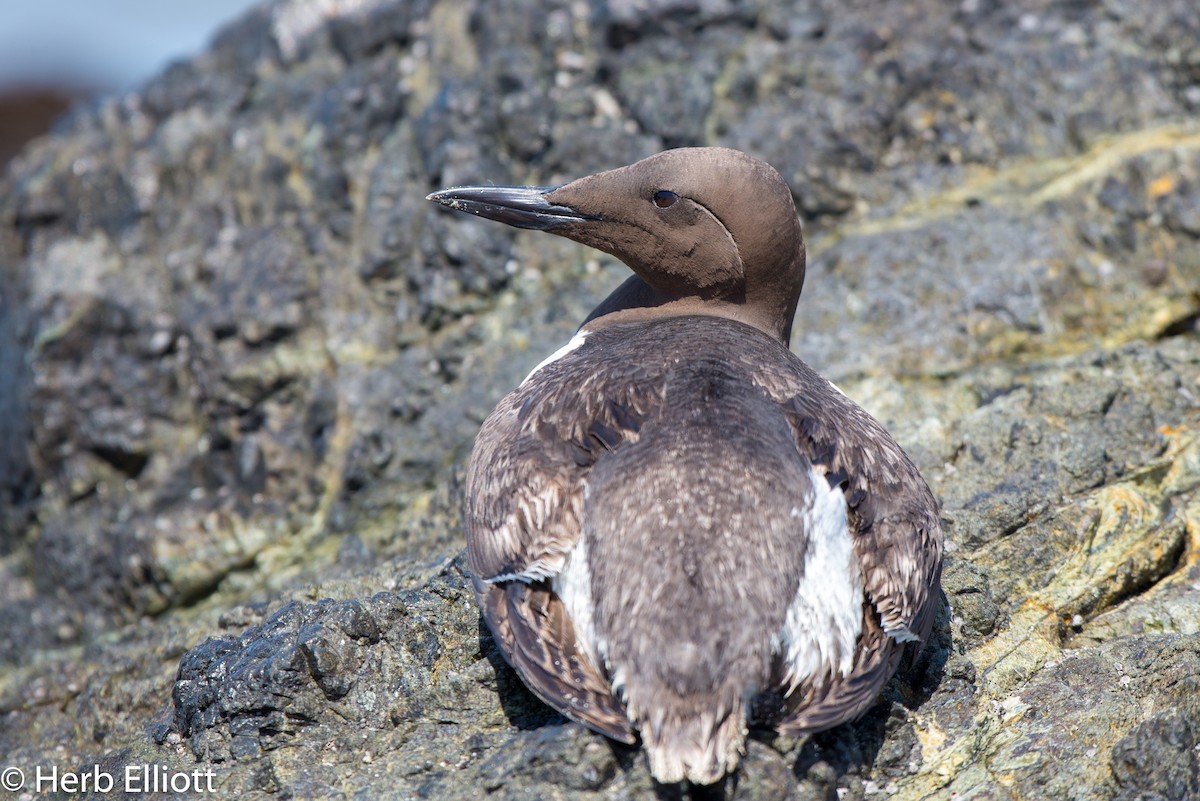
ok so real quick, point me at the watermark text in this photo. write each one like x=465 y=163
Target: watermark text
x=132 y=779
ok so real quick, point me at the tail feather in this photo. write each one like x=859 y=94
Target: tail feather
x=685 y=740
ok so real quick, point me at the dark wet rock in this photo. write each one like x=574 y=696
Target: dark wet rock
x=237 y=697
x=968 y=591
x=242 y=362
x=1158 y=758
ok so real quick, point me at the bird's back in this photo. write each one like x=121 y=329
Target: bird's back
x=696 y=549
x=708 y=557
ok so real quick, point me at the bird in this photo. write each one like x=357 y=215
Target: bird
x=676 y=528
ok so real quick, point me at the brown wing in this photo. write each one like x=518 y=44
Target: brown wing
x=537 y=638
x=897 y=541
x=523 y=507
x=525 y=481
x=893 y=515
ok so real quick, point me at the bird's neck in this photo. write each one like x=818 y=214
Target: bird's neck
x=636 y=301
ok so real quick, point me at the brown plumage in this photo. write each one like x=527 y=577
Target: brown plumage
x=674 y=515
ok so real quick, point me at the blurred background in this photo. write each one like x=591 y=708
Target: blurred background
x=56 y=52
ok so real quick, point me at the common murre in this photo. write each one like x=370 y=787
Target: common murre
x=673 y=515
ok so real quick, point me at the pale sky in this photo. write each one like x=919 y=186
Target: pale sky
x=109 y=45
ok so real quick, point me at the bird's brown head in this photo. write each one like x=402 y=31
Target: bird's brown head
x=707 y=229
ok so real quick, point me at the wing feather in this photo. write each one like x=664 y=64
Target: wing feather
x=523 y=510
x=537 y=638
x=893 y=515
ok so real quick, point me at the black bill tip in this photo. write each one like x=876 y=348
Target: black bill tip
x=519 y=206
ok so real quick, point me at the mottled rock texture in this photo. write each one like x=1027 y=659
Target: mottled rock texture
x=242 y=362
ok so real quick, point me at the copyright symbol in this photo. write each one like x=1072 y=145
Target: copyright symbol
x=12 y=779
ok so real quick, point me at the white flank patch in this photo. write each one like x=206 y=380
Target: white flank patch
x=573 y=586
x=574 y=345
x=824 y=621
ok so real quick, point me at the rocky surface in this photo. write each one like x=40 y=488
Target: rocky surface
x=242 y=362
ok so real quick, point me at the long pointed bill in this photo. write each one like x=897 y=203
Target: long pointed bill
x=519 y=206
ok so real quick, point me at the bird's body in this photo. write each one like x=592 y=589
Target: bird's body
x=673 y=520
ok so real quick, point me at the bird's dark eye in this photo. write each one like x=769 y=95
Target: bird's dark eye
x=664 y=199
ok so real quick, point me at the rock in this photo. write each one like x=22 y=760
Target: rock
x=1158 y=758
x=242 y=363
